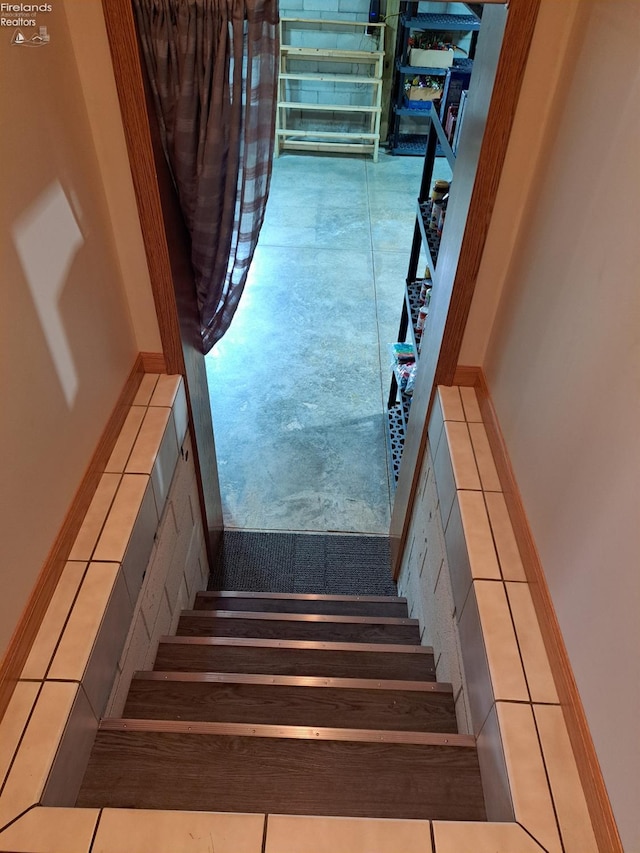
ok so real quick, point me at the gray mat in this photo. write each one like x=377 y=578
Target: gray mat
x=307 y=563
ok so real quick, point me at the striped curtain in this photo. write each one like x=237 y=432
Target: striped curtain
x=213 y=69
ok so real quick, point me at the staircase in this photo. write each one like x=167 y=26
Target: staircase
x=289 y=704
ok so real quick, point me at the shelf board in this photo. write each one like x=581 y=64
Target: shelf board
x=430 y=241
x=425 y=71
x=395 y=438
x=332 y=54
x=323 y=77
x=287 y=20
x=397 y=419
x=334 y=108
x=335 y=147
x=418 y=112
x=412 y=299
x=434 y=21
x=326 y=134
x=421 y=70
x=405 y=407
x=413 y=144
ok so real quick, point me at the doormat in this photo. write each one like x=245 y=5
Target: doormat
x=330 y=564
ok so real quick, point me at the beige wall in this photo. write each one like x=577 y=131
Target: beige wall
x=542 y=77
x=67 y=339
x=563 y=366
x=91 y=48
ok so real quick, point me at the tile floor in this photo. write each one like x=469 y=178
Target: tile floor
x=298 y=385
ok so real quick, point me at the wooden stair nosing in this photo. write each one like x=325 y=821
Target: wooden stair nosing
x=314 y=733
x=296 y=681
x=325 y=645
x=270 y=616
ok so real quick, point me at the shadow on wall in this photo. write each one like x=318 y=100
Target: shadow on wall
x=47 y=238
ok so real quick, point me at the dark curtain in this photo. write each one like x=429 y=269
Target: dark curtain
x=213 y=68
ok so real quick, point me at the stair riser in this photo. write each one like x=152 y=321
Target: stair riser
x=296 y=706
x=218 y=773
x=317 y=606
x=283 y=661
x=193 y=624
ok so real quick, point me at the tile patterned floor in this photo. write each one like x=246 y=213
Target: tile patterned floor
x=298 y=384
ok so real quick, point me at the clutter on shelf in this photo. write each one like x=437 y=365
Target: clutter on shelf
x=434 y=209
x=423 y=87
x=403 y=364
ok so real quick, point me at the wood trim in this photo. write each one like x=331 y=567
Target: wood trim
x=153 y=362
x=447 y=321
x=118 y=15
x=36 y=607
x=598 y=803
x=521 y=20
x=467 y=377
x=161 y=232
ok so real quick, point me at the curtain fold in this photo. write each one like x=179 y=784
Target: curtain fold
x=213 y=69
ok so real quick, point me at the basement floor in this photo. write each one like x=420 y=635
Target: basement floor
x=298 y=385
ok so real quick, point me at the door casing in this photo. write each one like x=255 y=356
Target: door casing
x=168 y=249
x=458 y=270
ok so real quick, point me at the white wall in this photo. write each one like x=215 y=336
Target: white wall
x=563 y=366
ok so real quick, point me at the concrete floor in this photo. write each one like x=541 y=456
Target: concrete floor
x=298 y=385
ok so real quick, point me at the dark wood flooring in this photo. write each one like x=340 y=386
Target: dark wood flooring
x=282 y=775
x=292 y=705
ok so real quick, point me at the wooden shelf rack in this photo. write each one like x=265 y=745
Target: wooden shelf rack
x=312 y=66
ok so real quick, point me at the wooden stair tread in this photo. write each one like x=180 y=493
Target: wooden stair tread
x=300 y=626
x=361 y=605
x=298 y=774
x=290 y=704
x=295 y=657
x=293 y=704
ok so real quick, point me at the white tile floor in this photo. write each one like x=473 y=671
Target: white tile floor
x=299 y=383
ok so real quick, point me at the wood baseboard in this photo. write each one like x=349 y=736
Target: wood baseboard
x=466 y=376
x=153 y=362
x=604 y=824
x=36 y=607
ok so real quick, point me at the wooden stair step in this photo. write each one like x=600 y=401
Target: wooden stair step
x=276 y=769
x=345 y=605
x=299 y=626
x=286 y=700
x=296 y=657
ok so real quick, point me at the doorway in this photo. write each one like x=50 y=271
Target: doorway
x=299 y=383
x=511 y=65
